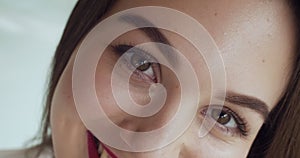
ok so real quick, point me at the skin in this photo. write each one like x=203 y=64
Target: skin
x=256 y=41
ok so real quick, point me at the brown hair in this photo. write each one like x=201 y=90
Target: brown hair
x=278 y=137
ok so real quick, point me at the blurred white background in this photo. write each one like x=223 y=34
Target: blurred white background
x=29 y=33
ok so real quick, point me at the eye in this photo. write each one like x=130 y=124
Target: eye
x=144 y=65
x=227 y=120
x=223 y=118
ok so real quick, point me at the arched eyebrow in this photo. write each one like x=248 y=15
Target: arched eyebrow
x=153 y=33
x=250 y=102
x=151 y=30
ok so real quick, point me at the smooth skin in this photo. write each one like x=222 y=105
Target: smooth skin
x=256 y=39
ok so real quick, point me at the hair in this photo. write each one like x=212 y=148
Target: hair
x=279 y=135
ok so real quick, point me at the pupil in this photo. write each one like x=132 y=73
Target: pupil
x=221 y=117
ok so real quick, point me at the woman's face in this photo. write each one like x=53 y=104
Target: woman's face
x=255 y=38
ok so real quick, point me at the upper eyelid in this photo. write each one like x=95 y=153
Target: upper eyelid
x=226 y=107
x=135 y=49
x=170 y=59
x=233 y=113
x=143 y=52
x=120 y=51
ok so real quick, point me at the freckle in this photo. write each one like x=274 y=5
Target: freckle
x=216 y=14
x=263 y=60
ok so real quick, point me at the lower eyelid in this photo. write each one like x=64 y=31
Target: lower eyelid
x=143 y=77
x=218 y=128
x=138 y=75
x=228 y=131
x=154 y=66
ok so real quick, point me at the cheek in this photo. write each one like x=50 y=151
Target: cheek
x=103 y=88
x=68 y=132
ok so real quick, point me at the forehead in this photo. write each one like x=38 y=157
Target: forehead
x=256 y=38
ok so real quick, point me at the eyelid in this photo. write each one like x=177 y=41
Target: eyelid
x=142 y=53
x=167 y=52
x=122 y=48
x=240 y=121
x=130 y=50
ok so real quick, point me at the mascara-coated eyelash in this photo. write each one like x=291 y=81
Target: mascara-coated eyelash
x=227 y=120
x=145 y=66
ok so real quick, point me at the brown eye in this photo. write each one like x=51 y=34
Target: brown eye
x=227 y=120
x=144 y=67
x=221 y=116
x=140 y=62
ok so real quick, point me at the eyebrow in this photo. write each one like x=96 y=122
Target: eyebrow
x=248 y=102
x=152 y=32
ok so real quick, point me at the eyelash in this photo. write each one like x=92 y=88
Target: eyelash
x=241 y=128
x=120 y=49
